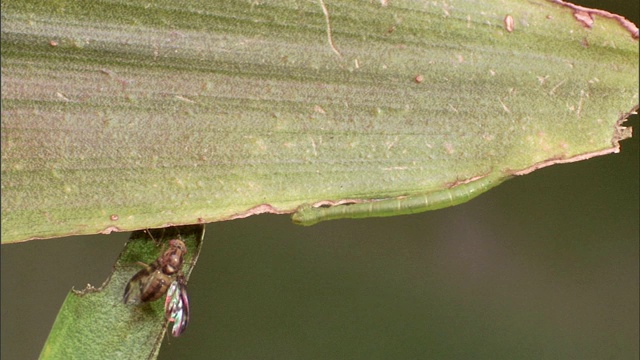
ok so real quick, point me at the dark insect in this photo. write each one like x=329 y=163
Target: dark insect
x=163 y=276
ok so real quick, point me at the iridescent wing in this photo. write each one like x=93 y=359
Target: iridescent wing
x=176 y=306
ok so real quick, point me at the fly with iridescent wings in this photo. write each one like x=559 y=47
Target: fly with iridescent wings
x=163 y=276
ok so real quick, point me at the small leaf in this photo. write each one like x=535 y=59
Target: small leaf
x=95 y=323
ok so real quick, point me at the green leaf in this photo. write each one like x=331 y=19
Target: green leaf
x=95 y=323
x=131 y=115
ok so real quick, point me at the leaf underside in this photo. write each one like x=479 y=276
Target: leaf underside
x=95 y=323
x=124 y=116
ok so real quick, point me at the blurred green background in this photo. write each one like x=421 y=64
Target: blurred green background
x=545 y=266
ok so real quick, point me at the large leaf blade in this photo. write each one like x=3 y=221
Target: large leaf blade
x=183 y=113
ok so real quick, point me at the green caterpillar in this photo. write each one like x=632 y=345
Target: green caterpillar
x=309 y=215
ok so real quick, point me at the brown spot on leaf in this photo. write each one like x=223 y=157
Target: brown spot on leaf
x=509 y=23
x=584 y=42
x=260 y=209
x=585 y=16
x=109 y=230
